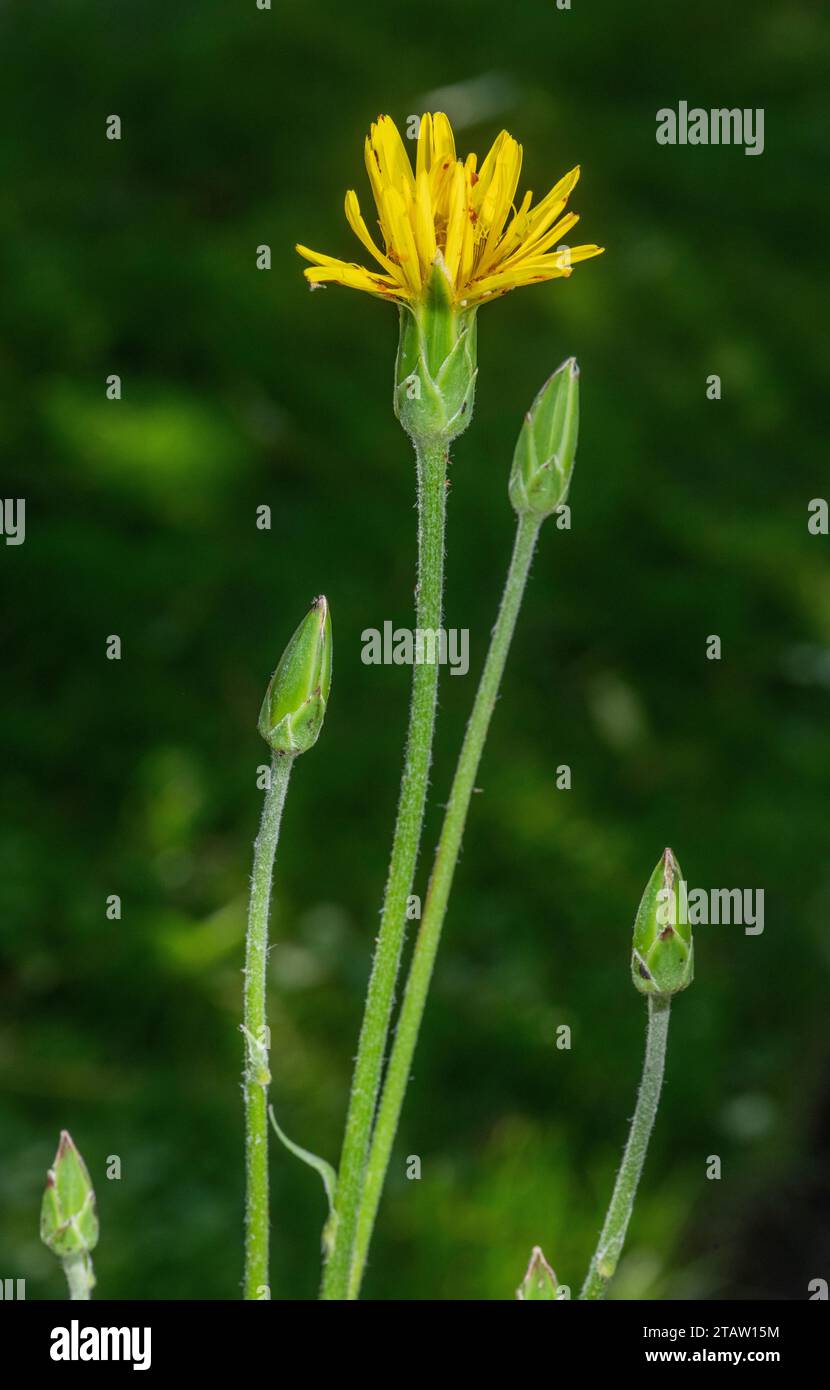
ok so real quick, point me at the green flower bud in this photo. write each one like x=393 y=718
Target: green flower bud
x=295 y=702
x=662 y=959
x=540 y=1283
x=543 y=459
x=68 y=1219
x=435 y=374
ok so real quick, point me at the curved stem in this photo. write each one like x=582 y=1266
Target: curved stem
x=257 y=1075
x=79 y=1277
x=612 y=1238
x=429 y=936
x=432 y=477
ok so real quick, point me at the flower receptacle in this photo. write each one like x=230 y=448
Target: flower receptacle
x=436 y=367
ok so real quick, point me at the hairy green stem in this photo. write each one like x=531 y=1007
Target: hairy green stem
x=432 y=479
x=79 y=1276
x=612 y=1238
x=429 y=935
x=257 y=1075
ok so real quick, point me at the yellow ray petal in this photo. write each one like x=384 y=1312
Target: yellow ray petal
x=456 y=221
x=355 y=277
x=552 y=204
x=443 y=141
x=496 y=207
x=394 y=164
x=584 y=253
x=515 y=231
x=317 y=258
x=468 y=238
x=402 y=248
x=361 y=231
x=534 y=250
x=504 y=281
x=551 y=267
x=373 y=170
x=424 y=224
x=423 y=160
x=488 y=168
x=440 y=185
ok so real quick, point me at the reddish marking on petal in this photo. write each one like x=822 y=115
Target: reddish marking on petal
x=473 y=178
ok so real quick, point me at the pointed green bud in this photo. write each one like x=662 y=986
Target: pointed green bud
x=435 y=374
x=662 y=959
x=295 y=702
x=68 y=1219
x=540 y=1283
x=543 y=459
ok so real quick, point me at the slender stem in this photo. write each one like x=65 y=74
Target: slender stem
x=612 y=1239
x=432 y=478
x=257 y=1075
x=79 y=1277
x=429 y=936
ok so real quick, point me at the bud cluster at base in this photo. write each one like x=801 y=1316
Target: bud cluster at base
x=436 y=367
x=543 y=459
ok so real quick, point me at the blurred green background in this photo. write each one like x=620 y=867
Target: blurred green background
x=243 y=127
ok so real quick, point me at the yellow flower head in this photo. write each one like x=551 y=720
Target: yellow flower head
x=451 y=212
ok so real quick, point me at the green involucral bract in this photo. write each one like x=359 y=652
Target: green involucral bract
x=543 y=459
x=68 y=1219
x=295 y=702
x=662 y=958
x=435 y=373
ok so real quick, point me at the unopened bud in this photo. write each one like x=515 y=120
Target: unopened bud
x=543 y=459
x=68 y=1219
x=540 y=1283
x=662 y=959
x=295 y=702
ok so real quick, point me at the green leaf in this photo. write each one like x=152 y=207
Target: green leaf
x=327 y=1173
